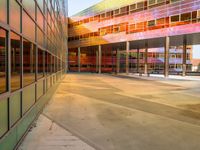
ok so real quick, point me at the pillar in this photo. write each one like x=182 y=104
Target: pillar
x=97 y=61
x=79 y=59
x=146 y=58
x=127 y=56
x=166 y=57
x=100 y=59
x=117 y=61
x=138 y=60
x=184 y=56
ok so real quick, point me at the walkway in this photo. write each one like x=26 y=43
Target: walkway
x=123 y=113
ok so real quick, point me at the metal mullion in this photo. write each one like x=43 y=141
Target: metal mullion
x=44 y=72
x=8 y=74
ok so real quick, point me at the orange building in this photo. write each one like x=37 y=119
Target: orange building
x=136 y=36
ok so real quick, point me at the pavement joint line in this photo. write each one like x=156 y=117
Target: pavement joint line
x=132 y=109
x=173 y=106
x=184 y=89
x=186 y=94
x=154 y=78
x=75 y=133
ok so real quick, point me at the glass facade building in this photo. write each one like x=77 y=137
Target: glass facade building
x=32 y=60
x=136 y=36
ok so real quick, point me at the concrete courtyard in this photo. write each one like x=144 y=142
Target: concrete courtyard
x=125 y=113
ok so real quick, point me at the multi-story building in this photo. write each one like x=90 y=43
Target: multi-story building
x=32 y=59
x=143 y=36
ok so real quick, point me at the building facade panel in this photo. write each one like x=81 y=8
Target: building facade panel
x=32 y=52
x=139 y=22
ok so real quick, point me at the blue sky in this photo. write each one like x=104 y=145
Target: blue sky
x=76 y=6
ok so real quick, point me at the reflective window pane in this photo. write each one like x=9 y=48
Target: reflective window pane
x=30 y=7
x=40 y=64
x=3 y=10
x=40 y=37
x=14 y=15
x=3 y=116
x=3 y=60
x=48 y=63
x=40 y=3
x=40 y=18
x=28 y=62
x=28 y=27
x=15 y=61
x=193 y=59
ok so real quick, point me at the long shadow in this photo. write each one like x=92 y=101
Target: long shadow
x=110 y=95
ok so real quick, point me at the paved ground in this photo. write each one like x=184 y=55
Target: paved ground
x=47 y=135
x=127 y=113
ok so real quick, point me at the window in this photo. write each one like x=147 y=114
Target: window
x=3 y=10
x=96 y=18
x=15 y=15
x=132 y=28
x=28 y=62
x=53 y=64
x=160 y=21
x=152 y=2
x=91 y=19
x=40 y=72
x=3 y=60
x=40 y=18
x=48 y=63
x=132 y=7
x=175 y=18
x=198 y=15
x=30 y=7
x=86 y=20
x=3 y=116
x=40 y=3
x=15 y=62
x=103 y=16
x=173 y=1
x=140 y=25
x=40 y=37
x=103 y=31
x=28 y=22
x=116 y=12
x=151 y=23
x=123 y=10
x=108 y=15
x=161 y=1
x=140 y=5
x=116 y=28
x=186 y=17
x=123 y=27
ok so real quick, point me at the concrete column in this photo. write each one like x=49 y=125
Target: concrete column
x=97 y=61
x=127 y=56
x=117 y=61
x=100 y=58
x=146 y=59
x=184 y=56
x=166 y=57
x=79 y=59
x=138 y=60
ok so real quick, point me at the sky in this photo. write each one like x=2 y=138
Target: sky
x=76 y=6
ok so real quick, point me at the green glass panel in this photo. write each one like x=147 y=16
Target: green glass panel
x=15 y=105
x=40 y=90
x=28 y=98
x=3 y=116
